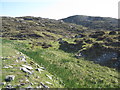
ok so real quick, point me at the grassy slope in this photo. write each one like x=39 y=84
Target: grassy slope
x=11 y=53
x=77 y=73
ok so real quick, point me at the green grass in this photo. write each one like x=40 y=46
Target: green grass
x=75 y=73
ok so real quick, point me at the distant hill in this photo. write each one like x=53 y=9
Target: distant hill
x=105 y=23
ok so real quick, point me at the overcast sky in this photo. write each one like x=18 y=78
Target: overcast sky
x=57 y=9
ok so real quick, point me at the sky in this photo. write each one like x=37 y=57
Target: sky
x=58 y=9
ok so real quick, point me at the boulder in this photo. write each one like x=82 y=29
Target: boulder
x=9 y=78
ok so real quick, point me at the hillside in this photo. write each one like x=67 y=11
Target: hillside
x=77 y=56
x=104 y=23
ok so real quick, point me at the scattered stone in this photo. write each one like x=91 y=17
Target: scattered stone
x=9 y=78
x=25 y=70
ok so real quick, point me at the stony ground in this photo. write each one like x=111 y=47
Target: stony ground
x=19 y=71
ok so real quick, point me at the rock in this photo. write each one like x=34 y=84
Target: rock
x=27 y=80
x=8 y=67
x=112 y=33
x=22 y=58
x=28 y=67
x=31 y=62
x=25 y=70
x=31 y=84
x=49 y=76
x=2 y=83
x=38 y=87
x=29 y=87
x=27 y=76
x=43 y=68
x=59 y=39
x=100 y=38
x=78 y=55
x=89 y=41
x=44 y=85
x=16 y=60
x=9 y=86
x=48 y=83
x=63 y=42
x=80 y=36
x=38 y=69
x=22 y=84
x=9 y=78
x=96 y=34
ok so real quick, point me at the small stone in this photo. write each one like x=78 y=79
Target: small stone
x=44 y=85
x=27 y=80
x=25 y=70
x=31 y=84
x=22 y=84
x=16 y=60
x=38 y=87
x=23 y=59
x=43 y=68
x=9 y=78
x=3 y=83
x=38 y=69
x=29 y=87
x=28 y=67
x=9 y=86
x=49 y=76
x=48 y=83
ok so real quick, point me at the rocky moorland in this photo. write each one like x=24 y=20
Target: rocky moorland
x=74 y=52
